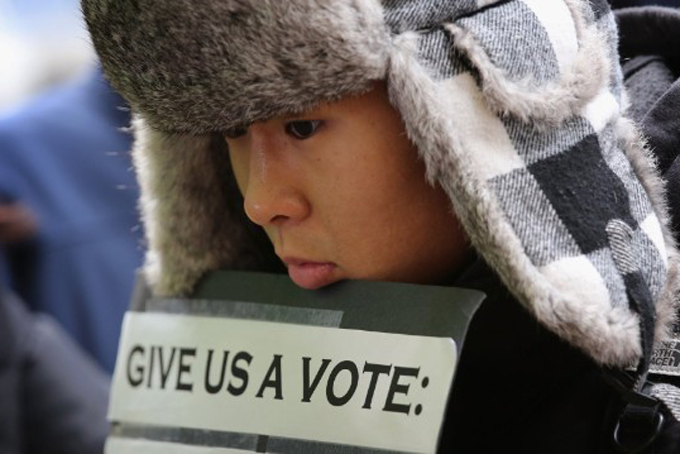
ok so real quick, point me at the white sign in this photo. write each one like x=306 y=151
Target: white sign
x=331 y=385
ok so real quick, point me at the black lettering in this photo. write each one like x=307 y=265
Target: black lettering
x=307 y=389
x=213 y=389
x=333 y=399
x=375 y=370
x=165 y=371
x=184 y=368
x=240 y=373
x=151 y=362
x=274 y=369
x=399 y=388
x=139 y=370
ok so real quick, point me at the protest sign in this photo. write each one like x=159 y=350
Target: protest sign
x=252 y=363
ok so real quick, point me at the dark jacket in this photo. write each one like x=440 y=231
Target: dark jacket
x=650 y=55
x=518 y=384
x=630 y=3
x=53 y=398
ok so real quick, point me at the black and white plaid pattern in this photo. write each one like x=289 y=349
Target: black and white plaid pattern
x=564 y=190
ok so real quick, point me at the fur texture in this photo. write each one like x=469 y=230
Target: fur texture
x=191 y=71
x=610 y=336
x=277 y=57
x=193 y=216
x=642 y=161
x=543 y=104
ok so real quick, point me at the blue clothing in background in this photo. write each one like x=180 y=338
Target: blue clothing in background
x=64 y=157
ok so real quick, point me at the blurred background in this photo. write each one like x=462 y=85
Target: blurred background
x=70 y=235
x=42 y=43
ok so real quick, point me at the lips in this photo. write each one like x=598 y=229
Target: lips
x=310 y=275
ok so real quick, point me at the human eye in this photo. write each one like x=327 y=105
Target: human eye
x=235 y=132
x=303 y=129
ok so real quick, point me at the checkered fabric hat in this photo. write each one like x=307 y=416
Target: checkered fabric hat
x=515 y=107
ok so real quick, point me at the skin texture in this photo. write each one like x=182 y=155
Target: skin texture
x=341 y=193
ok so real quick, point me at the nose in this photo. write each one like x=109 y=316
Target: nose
x=273 y=195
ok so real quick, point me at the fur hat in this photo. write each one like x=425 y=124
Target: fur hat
x=515 y=107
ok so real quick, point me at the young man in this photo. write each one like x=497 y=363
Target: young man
x=470 y=143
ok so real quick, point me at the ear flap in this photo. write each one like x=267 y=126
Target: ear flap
x=192 y=210
x=538 y=61
x=522 y=128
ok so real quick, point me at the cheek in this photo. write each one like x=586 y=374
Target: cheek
x=354 y=217
x=396 y=230
x=426 y=246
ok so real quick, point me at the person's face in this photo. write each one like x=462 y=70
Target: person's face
x=341 y=194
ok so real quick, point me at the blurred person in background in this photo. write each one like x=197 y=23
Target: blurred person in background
x=69 y=242
x=53 y=397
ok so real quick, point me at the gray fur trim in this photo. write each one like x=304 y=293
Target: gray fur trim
x=545 y=104
x=192 y=226
x=183 y=67
x=644 y=166
x=609 y=335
